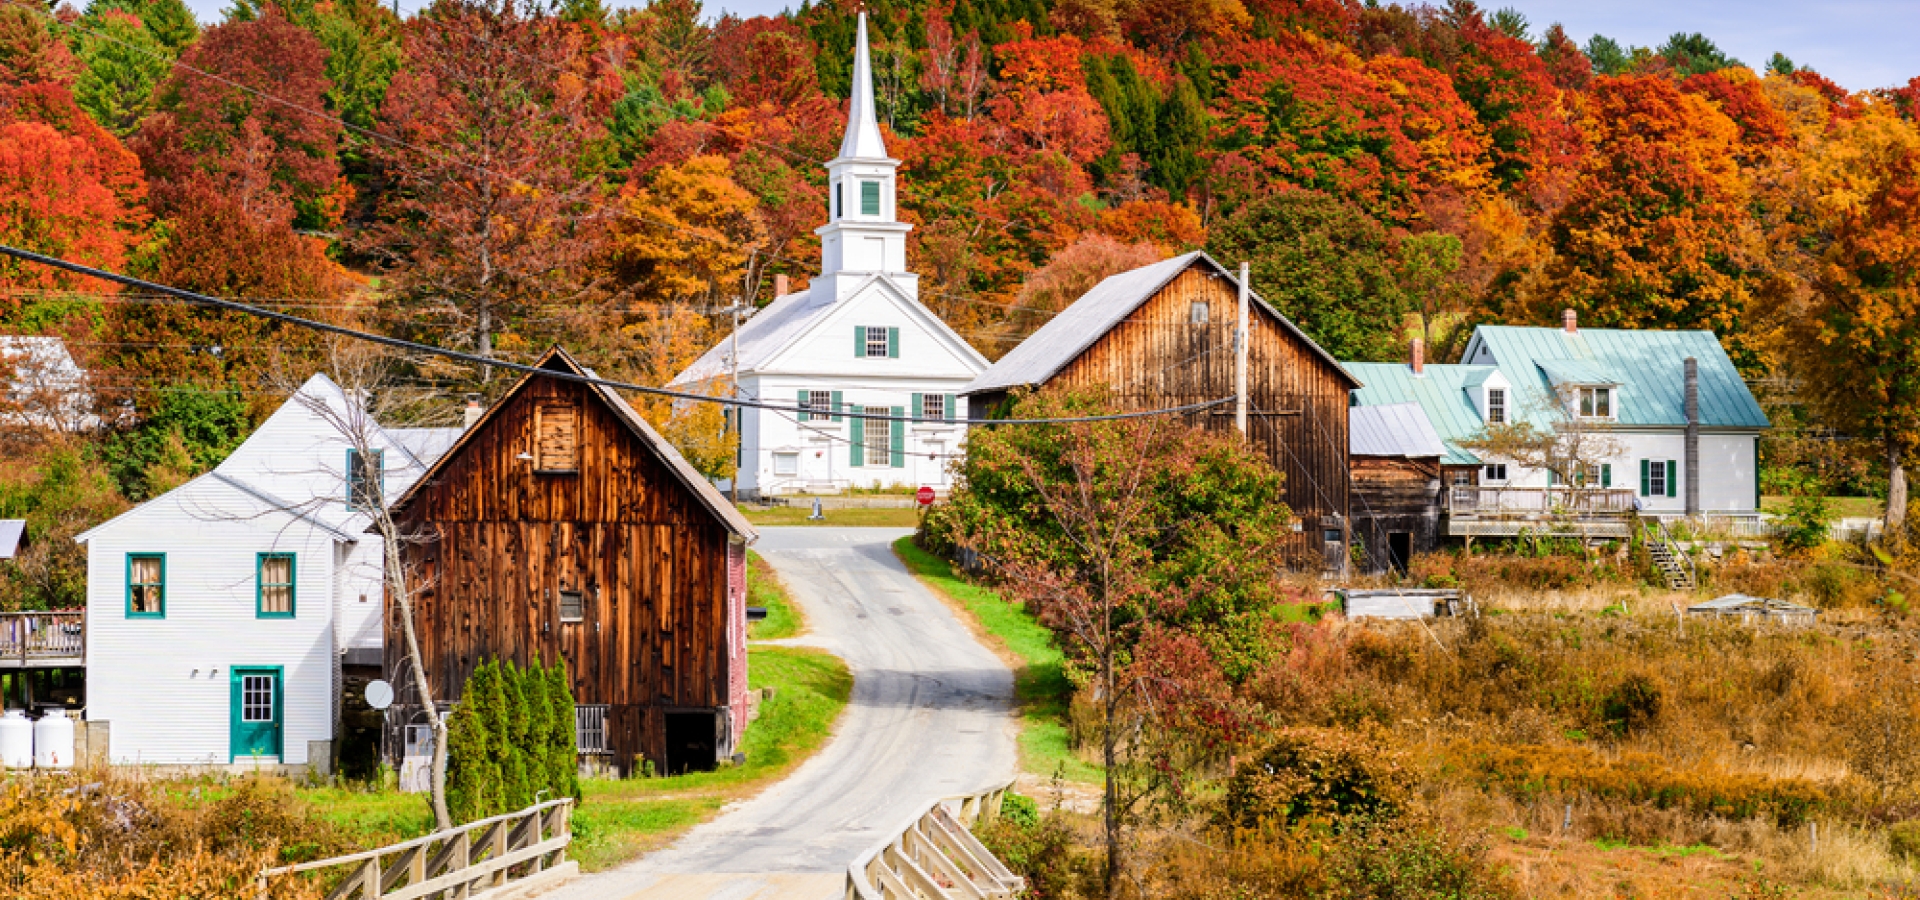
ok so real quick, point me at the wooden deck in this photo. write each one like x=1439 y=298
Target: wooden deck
x=43 y=640
x=1506 y=511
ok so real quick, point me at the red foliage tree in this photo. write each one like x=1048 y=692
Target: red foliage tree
x=1740 y=98
x=67 y=189
x=29 y=53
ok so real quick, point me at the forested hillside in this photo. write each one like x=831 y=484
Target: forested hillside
x=495 y=176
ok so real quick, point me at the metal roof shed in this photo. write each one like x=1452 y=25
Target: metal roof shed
x=1398 y=603
x=1754 y=609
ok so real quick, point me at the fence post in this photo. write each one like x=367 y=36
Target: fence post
x=462 y=856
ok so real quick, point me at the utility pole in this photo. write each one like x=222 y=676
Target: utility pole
x=1240 y=343
x=733 y=361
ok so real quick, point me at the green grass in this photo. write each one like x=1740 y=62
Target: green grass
x=1040 y=682
x=839 y=518
x=621 y=819
x=1838 y=507
x=764 y=589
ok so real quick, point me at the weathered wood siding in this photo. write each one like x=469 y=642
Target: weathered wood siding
x=1158 y=357
x=499 y=543
x=1395 y=495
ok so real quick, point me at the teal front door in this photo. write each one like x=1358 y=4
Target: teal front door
x=256 y=712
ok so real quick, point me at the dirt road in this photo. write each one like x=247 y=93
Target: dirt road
x=930 y=716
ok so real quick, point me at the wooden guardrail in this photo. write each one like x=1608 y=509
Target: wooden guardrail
x=936 y=857
x=471 y=861
x=42 y=638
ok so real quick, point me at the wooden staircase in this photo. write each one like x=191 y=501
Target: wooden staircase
x=1670 y=559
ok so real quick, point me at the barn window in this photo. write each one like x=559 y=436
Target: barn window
x=1462 y=478
x=1199 y=311
x=590 y=729
x=573 y=606
x=556 y=430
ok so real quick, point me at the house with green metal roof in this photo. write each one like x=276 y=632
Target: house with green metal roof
x=1669 y=455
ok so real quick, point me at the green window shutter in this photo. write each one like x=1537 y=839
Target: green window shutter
x=857 y=449
x=899 y=436
x=893 y=343
x=1606 y=475
x=804 y=397
x=859 y=341
x=869 y=198
x=1646 y=477
x=1673 y=469
x=919 y=407
x=946 y=409
x=836 y=406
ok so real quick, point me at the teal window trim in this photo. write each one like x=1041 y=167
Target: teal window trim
x=260 y=585
x=161 y=585
x=897 y=439
x=356 y=479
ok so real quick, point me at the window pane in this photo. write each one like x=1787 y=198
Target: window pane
x=1198 y=312
x=879 y=438
x=256 y=698
x=876 y=341
x=933 y=406
x=572 y=606
x=1603 y=402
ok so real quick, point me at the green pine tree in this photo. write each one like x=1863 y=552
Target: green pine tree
x=515 y=752
x=169 y=21
x=474 y=744
x=124 y=65
x=563 y=769
x=539 y=732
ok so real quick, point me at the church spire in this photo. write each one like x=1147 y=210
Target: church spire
x=863 y=126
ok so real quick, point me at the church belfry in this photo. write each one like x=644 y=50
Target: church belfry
x=863 y=235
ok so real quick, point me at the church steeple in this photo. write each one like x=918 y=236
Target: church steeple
x=862 y=235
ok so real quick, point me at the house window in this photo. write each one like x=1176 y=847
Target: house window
x=273 y=586
x=146 y=585
x=1496 y=406
x=419 y=740
x=1659 y=478
x=365 y=473
x=1600 y=476
x=818 y=406
x=1198 y=312
x=1494 y=472
x=786 y=465
x=878 y=439
x=1462 y=478
x=556 y=438
x=933 y=407
x=573 y=606
x=1596 y=403
x=879 y=342
x=869 y=198
x=256 y=698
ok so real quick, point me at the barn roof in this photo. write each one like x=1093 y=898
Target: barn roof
x=1441 y=392
x=1394 y=429
x=13 y=537
x=559 y=360
x=1059 y=342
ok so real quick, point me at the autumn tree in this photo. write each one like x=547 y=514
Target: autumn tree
x=170 y=22
x=490 y=213
x=124 y=64
x=29 y=51
x=1860 y=324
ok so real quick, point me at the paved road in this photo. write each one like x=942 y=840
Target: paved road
x=930 y=717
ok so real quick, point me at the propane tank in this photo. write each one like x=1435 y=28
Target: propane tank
x=16 y=740
x=53 y=741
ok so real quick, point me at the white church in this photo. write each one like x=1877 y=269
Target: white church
x=856 y=344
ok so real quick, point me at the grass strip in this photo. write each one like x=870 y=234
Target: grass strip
x=1040 y=679
x=764 y=589
x=838 y=518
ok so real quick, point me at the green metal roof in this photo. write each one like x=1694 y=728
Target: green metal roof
x=1441 y=392
x=1576 y=371
x=1647 y=365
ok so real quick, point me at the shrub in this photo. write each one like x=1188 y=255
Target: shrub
x=1904 y=840
x=510 y=740
x=1804 y=526
x=1528 y=772
x=1405 y=861
x=1633 y=706
x=1314 y=777
x=1040 y=848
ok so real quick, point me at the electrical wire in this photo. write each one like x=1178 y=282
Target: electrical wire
x=475 y=359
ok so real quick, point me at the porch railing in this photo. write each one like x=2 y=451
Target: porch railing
x=29 y=637
x=1474 y=500
x=527 y=848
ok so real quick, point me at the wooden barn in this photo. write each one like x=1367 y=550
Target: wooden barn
x=1396 y=484
x=1162 y=336
x=562 y=526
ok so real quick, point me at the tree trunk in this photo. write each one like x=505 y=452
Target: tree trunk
x=1896 y=491
x=1109 y=741
x=397 y=583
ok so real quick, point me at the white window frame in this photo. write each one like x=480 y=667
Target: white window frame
x=1657 y=478
x=1496 y=406
x=933 y=407
x=819 y=407
x=878 y=438
x=881 y=344
x=1494 y=472
x=1199 y=312
x=791 y=462
x=1590 y=400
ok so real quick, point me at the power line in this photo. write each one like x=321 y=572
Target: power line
x=475 y=359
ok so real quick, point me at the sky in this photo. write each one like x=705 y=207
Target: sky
x=1859 y=43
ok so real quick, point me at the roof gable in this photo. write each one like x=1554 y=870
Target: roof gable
x=1078 y=327
x=768 y=335
x=829 y=324
x=559 y=361
x=1647 y=366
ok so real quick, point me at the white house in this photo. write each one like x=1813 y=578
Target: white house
x=44 y=389
x=1626 y=389
x=857 y=342
x=221 y=613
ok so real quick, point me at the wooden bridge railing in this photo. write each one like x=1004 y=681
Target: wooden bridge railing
x=1499 y=501
x=455 y=864
x=936 y=857
x=29 y=637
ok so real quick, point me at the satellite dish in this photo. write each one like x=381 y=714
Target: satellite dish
x=379 y=694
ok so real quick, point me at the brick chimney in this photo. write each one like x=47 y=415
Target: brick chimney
x=779 y=286
x=1570 y=320
x=473 y=411
x=1419 y=356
